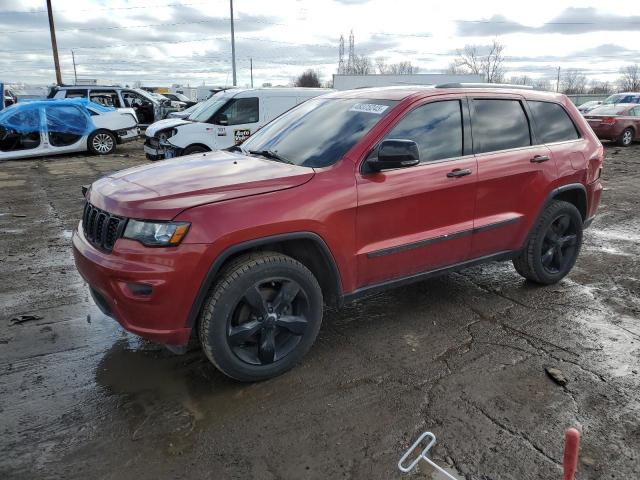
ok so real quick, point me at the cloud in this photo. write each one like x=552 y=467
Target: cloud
x=571 y=21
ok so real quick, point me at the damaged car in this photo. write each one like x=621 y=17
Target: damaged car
x=49 y=127
x=148 y=108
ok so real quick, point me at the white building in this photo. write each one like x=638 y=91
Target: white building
x=348 y=82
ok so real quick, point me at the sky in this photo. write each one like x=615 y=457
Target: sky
x=166 y=42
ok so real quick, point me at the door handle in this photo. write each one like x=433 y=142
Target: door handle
x=458 y=172
x=539 y=158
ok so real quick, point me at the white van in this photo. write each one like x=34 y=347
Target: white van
x=226 y=119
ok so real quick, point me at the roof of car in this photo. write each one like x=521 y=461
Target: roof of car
x=36 y=104
x=402 y=92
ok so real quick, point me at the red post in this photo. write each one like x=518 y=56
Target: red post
x=571 y=450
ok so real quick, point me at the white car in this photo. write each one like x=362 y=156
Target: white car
x=588 y=106
x=226 y=119
x=49 y=127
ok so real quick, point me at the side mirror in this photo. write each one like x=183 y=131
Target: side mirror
x=222 y=120
x=394 y=153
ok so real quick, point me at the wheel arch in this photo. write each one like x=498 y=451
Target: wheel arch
x=201 y=145
x=574 y=193
x=306 y=247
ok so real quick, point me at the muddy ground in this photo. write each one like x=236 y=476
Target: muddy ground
x=462 y=355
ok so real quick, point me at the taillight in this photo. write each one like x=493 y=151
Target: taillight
x=608 y=120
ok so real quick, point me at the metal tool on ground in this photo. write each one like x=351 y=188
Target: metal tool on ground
x=422 y=456
x=569 y=460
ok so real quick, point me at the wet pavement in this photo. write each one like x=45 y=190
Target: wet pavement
x=463 y=356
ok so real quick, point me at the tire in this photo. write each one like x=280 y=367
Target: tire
x=552 y=247
x=250 y=327
x=194 y=149
x=626 y=138
x=102 y=142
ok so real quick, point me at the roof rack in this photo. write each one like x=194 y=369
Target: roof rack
x=483 y=85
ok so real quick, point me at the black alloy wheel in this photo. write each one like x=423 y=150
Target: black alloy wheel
x=269 y=321
x=559 y=244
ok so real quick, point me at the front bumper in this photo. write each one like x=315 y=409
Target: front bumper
x=149 y=291
x=154 y=150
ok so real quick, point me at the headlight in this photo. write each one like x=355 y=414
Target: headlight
x=163 y=135
x=156 y=234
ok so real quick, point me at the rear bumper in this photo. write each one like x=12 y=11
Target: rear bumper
x=149 y=295
x=606 y=132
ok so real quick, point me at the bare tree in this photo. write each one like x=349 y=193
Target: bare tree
x=574 y=81
x=490 y=65
x=598 y=87
x=400 y=68
x=542 y=84
x=630 y=79
x=521 y=80
x=381 y=65
x=310 y=78
x=455 y=69
x=361 y=65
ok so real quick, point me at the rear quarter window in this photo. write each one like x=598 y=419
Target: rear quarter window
x=553 y=123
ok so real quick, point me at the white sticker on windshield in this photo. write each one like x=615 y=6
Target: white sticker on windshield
x=369 y=108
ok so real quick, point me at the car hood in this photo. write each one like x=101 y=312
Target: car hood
x=166 y=123
x=162 y=190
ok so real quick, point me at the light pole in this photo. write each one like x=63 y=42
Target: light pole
x=233 y=46
x=54 y=44
x=75 y=74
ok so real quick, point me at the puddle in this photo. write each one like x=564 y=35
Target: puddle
x=67 y=234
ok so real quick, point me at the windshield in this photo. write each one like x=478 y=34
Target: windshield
x=623 y=98
x=207 y=108
x=319 y=132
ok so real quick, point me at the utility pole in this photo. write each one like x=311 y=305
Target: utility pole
x=54 y=44
x=251 y=68
x=558 y=81
x=233 y=45
x=75 y=74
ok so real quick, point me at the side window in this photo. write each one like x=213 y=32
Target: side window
x=21 y=131
x=76 y=94
x=552 y=122
x=635 y=112
x=241 y=110
x=499 y=125
x=108 y=98
x=66 y=124
x=436 y=128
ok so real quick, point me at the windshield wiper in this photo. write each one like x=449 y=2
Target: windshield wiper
x=271 y=155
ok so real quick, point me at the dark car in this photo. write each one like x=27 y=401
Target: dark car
x=342 y=196
x=618 y=122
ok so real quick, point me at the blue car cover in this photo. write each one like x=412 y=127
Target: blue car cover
x=60 y=116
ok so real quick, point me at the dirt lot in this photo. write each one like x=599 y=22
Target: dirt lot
x=463 y=356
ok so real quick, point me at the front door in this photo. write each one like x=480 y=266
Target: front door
x=420 y=218
x=236 y=121
x=513 y=173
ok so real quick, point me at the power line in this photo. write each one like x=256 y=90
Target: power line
x=20 y=12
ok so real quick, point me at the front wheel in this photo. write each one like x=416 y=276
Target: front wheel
x=194 y=149
x=261 y=317
x=552 y=248
x=102 y=142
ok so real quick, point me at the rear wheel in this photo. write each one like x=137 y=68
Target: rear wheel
x=626 y=138
x=261 y=316
x=102 y=142
x=552 y=247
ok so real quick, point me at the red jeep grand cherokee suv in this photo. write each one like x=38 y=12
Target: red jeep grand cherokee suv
x=344 y=195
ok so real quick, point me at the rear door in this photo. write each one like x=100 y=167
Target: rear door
x=634 y=116
x=513 y=173
x=415 y=219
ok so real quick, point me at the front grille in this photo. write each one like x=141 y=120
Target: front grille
x=101 y=228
